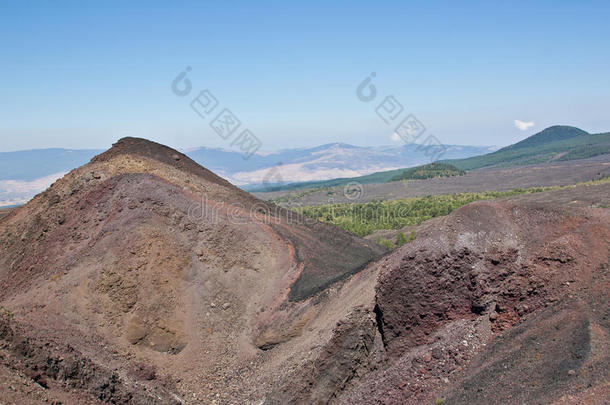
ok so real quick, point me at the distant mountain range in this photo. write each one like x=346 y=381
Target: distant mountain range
x=25 y=173
x=556 y=143
x=320 y=163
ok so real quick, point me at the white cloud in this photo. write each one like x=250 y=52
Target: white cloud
x=297 y=172
x=523 y=125
x=19 y=191
x=395 y=137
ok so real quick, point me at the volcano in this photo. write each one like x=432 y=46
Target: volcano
x=161 y=261
x=144 y=278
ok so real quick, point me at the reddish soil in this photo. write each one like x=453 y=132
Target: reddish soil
x=142 y=277
x=532 y=277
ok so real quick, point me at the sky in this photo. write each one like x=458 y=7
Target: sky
x=84 y=74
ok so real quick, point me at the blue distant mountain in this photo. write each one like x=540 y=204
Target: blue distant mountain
x=321 y=162
x=33 y=164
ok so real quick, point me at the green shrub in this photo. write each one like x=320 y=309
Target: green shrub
x=385 y=243
x=401 y=239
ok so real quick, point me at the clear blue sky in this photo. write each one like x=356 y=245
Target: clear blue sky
x=83 y=74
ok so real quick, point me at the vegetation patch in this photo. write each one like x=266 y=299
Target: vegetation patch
x=429 y=171
x=586 y=152
x=400 y=240
x=365 y=218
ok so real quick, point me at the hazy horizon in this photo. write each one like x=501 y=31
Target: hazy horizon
x=262 y=151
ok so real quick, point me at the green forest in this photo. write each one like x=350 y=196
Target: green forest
x=429 y=171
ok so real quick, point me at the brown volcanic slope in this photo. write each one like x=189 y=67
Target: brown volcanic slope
x=143 y=257
x=144 y=278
